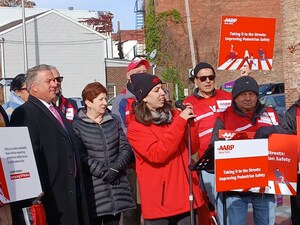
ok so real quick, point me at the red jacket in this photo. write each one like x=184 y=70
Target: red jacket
x=236 y=120
x=68 y=107
x=207 y=111
x=162 y=167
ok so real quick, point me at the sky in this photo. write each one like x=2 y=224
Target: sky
x=123 y=10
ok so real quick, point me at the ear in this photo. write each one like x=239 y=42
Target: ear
x=128 y=74
x=18 y=92
x=33 y=87
x=88 y=103
x=145 y=99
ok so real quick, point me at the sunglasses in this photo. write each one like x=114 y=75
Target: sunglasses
x=23 y=89
x=204 y=78
x=58 y=79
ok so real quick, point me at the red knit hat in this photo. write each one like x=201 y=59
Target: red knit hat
x=136 y=63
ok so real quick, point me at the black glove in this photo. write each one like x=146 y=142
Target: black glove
x=264 y=132
x=112 y=173
x=98 y=169
x=103 y=171
x=116 y=181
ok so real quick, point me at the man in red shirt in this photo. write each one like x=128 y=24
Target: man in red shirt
x=67 y=105
x=207 y=103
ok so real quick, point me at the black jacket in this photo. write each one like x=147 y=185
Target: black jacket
x=103 y=145
x=289 y=119
x=55 y=152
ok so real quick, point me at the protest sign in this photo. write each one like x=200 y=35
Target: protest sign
x=241 y=164
x=246 y=41
x=281 y=173
x=19 y=177
x=282 y=164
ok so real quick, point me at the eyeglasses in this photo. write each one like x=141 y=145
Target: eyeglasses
x=23 y=89
x=58 y=79
x=204 y=78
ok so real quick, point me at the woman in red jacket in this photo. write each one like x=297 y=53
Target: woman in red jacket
x=158 y=137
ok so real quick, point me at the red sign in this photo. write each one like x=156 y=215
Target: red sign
x=246 y=41
x=243 y=165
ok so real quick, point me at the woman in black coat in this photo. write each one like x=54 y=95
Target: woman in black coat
x=105 y=152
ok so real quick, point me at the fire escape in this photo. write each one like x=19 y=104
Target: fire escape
x=139 y=10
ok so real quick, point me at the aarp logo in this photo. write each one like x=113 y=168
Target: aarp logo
x=228 y=136
x=226 y=147
x=230 y=21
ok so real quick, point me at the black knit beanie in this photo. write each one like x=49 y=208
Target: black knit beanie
x=142 y=84
x=244 y=84
x=202 y=65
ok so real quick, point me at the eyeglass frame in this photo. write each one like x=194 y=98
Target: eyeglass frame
x=204 y=78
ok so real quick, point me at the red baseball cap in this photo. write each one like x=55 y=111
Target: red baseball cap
x=136 y=63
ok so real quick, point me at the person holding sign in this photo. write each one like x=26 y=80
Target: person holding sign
x=247 y=114
x=290 y=125
x=57 y=158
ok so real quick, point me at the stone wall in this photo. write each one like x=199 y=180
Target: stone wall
x=291 y=37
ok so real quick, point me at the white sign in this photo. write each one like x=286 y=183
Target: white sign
x=241 y=164
x=19 y=177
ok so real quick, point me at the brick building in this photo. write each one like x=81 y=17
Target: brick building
x=291 y=38
x=206 y=23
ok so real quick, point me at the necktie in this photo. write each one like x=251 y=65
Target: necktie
x=58 y=117
x=56 y=114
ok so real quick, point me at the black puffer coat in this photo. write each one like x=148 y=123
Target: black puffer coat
x=101 y=145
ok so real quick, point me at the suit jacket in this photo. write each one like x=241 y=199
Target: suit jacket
x=55 y=153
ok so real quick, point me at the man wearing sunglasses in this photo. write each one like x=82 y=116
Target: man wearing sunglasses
x=67 y=105
x=207 y=104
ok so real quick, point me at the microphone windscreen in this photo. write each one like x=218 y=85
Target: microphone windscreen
x=180 y=105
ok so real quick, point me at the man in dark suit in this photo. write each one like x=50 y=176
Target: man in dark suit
x=55 y=151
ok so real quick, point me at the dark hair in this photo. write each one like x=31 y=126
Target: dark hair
x=17 y=82
x=143 y=114
x=92 y=90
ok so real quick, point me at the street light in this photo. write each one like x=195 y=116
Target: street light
x=24 y=38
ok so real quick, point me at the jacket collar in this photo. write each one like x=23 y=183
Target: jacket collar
x=45 y=110
x=82 y=115
x=196 y=93
x=259 y=110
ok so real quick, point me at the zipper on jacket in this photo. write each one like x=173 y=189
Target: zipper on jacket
x=163 y=193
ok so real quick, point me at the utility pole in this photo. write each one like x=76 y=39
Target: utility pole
x=190 y=32
x=24 y=38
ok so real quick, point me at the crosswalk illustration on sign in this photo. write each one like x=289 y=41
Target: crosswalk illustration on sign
x=254 y=64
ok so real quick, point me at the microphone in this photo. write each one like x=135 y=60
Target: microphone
x=180 y=105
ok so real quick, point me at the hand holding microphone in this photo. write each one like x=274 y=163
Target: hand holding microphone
x=186 y=110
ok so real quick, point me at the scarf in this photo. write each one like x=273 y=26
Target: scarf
x=162 y=117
